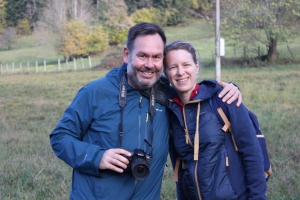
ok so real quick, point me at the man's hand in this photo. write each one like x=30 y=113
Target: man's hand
x=231 y=93
x=114 y=159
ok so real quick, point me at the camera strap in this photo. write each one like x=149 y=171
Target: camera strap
x=122 y=103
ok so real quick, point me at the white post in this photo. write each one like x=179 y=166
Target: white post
x=82 y=63
x=218 y=57
x=36 y=66
x=21 y=67
x=44 y=65
x=67 y=64
x=6 y=67
x=13 y=66
x=27 y=65
x=59 y=64
x=90 y=62
x=74 y=62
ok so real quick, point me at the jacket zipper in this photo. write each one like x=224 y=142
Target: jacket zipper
x=228 y=171
x=140 y=120
x=188 y=141
x=196 y=180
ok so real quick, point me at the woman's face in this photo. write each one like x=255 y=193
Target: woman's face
x=181 y=70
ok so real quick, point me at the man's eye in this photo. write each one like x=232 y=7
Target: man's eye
x=157 y=58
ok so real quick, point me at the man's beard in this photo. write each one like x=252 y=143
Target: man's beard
x=141 y=84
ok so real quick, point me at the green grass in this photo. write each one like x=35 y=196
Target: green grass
x=31 y=104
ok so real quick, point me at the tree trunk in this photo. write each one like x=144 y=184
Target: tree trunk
x=272 y=51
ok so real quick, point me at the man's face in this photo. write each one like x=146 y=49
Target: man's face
x=145 y=61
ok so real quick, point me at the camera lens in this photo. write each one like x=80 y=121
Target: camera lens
x=139 y=168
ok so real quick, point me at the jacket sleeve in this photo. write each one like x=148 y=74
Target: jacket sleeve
x=174 y=156
x=249 y=148
x=67 y=139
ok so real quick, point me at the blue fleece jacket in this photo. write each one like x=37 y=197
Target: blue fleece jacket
x=219 y=172
x=90 y=126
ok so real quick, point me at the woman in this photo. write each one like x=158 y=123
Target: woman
x=206 y=167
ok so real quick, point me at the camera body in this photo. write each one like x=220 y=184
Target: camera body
x=138 y=164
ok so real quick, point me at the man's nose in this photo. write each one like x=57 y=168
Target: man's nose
x=150 y=62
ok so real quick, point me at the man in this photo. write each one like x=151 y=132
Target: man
x=116 y=116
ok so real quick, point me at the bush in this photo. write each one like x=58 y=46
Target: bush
x=97 y=40
x=79 y=39
x=112 y=60
x=147 y=15
x=117 y=36
x=23 y=27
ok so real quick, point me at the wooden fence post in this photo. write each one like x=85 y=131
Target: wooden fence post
x=67 y=63
x=82 y=63
x=74 y=62
x=59 y=64
x=90 y=62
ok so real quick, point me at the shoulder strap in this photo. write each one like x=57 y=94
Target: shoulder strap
x=221 y=111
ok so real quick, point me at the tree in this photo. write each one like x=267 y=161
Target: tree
x=74 y=42
x=15 y=10
x=134 y=5
x=57 y=13
x=97 y=40
x=261 y=22
x=8 y=37
x=174 y=11
x=148 y=15
x=2 y=15
x=79 y=39
x=113 y=15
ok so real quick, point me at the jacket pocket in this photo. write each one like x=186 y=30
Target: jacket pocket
x=221 y=185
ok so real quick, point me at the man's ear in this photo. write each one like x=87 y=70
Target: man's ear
x=125 y=55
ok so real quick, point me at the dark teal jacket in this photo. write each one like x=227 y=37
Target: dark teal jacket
x=90 y=126
x=220 y=172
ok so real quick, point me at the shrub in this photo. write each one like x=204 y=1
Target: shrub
x=147 y=15
x=112 y=60
x=97 y=40
x=23 y=27
x=79 y=39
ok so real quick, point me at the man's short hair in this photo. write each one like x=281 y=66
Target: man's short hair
x=143 y=28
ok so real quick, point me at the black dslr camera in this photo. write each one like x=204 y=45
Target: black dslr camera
x=138 y=164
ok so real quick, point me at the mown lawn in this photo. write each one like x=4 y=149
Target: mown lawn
x=31 y=104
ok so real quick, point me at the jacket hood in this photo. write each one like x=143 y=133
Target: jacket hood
x=115 y=75
x=207 y=89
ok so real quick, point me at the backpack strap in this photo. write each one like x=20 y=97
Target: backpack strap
x=221 y=112
x=176 y=169
x=227 y=126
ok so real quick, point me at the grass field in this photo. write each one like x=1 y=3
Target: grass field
x=32 y=103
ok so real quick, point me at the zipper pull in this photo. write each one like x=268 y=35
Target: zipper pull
x=140 y=102
x=186 y=137
x=227 y=162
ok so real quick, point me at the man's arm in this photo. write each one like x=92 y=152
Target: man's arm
x=230 y=93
